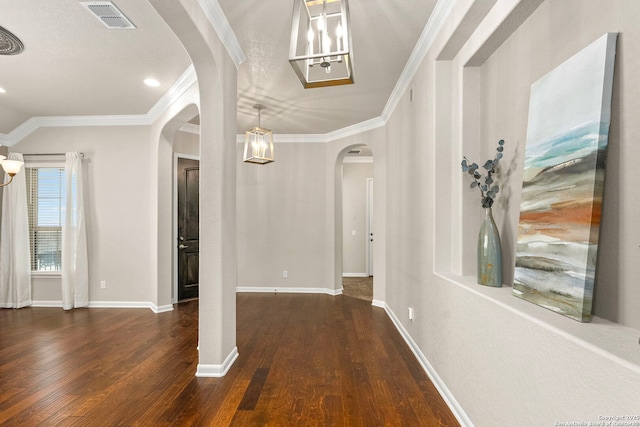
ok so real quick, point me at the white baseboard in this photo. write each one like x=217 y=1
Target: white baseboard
x=162 y=308
x=446 y=394
x=55 y=304
x=289 y=290
x=355 y=275
x=217 y=371
x=111 y=304
x=378 y=303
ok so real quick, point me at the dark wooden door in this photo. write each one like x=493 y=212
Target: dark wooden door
x=188 y=227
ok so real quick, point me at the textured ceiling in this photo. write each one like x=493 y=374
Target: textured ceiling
x=384 y=34
x=74 y=66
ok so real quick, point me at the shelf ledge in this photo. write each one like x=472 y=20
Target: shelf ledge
x=618 y=343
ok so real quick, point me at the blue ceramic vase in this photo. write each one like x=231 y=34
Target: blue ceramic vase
x=489 y=252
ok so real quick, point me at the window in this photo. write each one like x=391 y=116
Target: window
x=46 y=204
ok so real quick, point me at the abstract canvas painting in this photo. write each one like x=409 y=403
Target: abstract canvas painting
x=563 y=182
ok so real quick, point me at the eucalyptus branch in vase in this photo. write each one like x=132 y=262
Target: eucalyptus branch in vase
x=488 y=190
x=489 y=248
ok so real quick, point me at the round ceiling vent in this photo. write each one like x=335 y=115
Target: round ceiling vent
x=9 y=44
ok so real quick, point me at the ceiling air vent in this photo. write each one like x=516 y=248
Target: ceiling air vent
x=109 y=15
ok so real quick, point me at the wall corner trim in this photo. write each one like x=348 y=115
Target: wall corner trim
x=217 y=371
x=446 y=394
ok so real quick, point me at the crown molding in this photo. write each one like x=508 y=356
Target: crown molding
x=31 y=125
x=190 y=128
x=184 y=82
x=441 y=11
x=290 y=138
x=219 y=22
x=361 y=127
x=309 y=138
x=312 y=138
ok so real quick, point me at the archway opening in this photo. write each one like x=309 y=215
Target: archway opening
x=185 y=221
x=179 y=137
x=355 y=212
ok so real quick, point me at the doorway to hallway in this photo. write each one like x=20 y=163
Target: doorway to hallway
x=188 y=228
x=357 y=222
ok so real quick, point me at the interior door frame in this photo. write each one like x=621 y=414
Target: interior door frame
x=174 y=221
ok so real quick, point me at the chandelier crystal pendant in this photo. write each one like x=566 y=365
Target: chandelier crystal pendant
x=320 y=49
x=258 y=143
x=11 y=167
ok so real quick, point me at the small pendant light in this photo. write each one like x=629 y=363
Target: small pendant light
x=258 y=143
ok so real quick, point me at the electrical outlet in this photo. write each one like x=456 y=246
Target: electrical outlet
x=285 y=273
x=103 y=284
x=410 y=313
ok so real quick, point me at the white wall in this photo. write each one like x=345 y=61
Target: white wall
x=281 y=219
x=503 y=360
x=538 y=46
x=187 y=143
x=354 y=217
x=117 y=191
x=118 y=208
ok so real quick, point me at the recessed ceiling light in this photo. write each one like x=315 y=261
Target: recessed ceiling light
x=2 y=90
x=151 y=82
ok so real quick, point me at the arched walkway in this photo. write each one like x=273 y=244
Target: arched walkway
x=338 y=150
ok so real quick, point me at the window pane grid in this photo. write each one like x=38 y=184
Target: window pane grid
x=45 y=198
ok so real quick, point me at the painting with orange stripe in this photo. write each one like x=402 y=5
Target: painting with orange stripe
x=563 y=182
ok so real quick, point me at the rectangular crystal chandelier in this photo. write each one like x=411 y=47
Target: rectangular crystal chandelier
x=320 y=49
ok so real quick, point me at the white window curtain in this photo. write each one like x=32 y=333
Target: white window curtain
x=15 y=262
x=75 y=268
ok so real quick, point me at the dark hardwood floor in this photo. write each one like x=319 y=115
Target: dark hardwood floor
x=305 y=360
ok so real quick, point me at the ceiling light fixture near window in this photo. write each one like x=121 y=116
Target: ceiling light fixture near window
x=107 y=13
x=2 y=90
x=258 y=143
x=151 y=82
x=320 y=49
